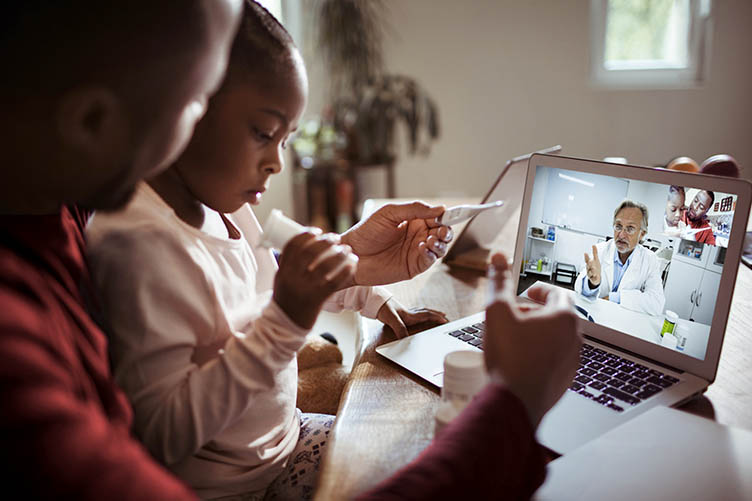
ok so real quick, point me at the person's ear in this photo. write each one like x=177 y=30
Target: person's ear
x=93 y=121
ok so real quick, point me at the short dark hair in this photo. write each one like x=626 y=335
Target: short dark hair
x=50 y=46
x=712 y=197
x=676 y=190
x=262 y=45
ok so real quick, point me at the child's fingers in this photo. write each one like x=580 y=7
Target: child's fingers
x=294 y=246
x=317 y=249
x=343 y=274
x=332 y=261
x=422 y=315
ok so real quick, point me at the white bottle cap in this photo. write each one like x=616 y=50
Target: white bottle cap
x=279 y=229
x=669 y=341
x=464 y=372
x=671 y=316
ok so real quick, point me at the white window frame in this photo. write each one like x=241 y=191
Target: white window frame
x=698 y=53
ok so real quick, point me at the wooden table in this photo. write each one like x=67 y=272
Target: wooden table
x=386 y=414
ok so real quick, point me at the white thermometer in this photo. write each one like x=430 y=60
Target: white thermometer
x=460 y=213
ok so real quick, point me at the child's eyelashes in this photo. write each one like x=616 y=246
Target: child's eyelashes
x=262 y=135
x=290 y=138
x=267 y=137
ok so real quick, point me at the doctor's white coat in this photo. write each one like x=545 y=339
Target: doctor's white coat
x=641 y=287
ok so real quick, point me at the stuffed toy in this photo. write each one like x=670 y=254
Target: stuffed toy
x=321 y=375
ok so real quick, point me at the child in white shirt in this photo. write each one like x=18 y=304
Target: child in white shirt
x=673 y=226
x=204 y=328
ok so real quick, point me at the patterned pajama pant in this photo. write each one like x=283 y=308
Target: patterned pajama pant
x=299 y=479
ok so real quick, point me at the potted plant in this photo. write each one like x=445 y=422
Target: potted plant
x=367 y=103
x=366 y=108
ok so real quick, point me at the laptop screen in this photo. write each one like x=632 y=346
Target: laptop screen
x=641 y=258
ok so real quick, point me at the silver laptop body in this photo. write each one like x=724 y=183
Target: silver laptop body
x=588 y=409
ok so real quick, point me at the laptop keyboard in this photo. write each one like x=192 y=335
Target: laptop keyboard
x=613 y=381
x=604 y=377
x=472 y=334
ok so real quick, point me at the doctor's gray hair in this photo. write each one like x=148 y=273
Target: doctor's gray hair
x=629 y=204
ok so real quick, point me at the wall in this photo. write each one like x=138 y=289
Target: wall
x=512 y=76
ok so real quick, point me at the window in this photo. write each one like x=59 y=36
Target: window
x=288 y=13
x=650 y=43
x=274 y=7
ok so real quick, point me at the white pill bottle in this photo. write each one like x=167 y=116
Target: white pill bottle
x=464 y=376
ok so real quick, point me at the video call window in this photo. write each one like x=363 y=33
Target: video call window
x=659 y=258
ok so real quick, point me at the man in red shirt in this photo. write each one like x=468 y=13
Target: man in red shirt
x=698 y=226
x=95 y=98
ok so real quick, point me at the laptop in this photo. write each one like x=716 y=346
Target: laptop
x=626 y=365
x=489 y=232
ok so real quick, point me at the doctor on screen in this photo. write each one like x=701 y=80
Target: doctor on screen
x=621 y=270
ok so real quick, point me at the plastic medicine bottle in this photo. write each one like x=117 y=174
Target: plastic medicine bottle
x=669 y=322
x=464 y=376
x=279 y=229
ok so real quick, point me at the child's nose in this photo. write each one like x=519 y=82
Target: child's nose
x=273 y=161
x=273 y=167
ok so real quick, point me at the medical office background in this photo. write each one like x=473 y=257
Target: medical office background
x=579 y=208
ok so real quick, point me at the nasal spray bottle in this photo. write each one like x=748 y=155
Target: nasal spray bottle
x=280 y=229
x=464 y=376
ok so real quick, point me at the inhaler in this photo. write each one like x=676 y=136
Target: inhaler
x=280 y=229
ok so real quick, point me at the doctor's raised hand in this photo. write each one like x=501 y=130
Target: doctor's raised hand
x=593 y=268
x=397 y=242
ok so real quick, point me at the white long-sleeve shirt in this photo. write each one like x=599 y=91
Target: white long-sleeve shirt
x=204 y=354
x=640 y=287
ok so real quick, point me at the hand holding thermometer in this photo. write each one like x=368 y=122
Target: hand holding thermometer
x=460 y=213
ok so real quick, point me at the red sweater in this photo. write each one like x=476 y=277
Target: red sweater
x=64 y=425
x=705 y=236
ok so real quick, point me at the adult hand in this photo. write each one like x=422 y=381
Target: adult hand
x=397 y=242
x=311 y=267
x=398 y=318
x=533 y=349
x=593 y=268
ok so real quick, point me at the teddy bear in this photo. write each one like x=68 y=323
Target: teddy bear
x=321 y=375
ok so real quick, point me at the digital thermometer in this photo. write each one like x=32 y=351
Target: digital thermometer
x=460 y=213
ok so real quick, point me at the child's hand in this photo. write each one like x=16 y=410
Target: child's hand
x=311 y=268
x=394 y=315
